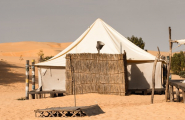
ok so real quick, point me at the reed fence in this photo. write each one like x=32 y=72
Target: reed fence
x=96 y=73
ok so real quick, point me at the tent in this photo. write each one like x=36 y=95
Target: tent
x=140 y=62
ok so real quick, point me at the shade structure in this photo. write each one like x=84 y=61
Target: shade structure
x=100 y=31
x=181 y=42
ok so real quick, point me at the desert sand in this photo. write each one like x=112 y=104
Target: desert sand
x=12 y=87
x=156 y=52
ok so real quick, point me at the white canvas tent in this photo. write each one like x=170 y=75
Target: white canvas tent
x=140 y=62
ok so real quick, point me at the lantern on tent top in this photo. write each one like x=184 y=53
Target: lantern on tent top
x=99 y=45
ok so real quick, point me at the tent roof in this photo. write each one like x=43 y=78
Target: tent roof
x=100 y=31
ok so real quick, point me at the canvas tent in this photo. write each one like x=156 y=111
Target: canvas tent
x=140 y=62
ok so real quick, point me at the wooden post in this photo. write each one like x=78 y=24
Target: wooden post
x=33 y=77
x=72 y=73
x=36 y=96
x=177 y=94
x=169 y=65
x=145 y=92
x=27 y=79
x=51 y=95
x=153 y=75
x=32 y=96
x=33 y=74
x=183 y=95
x=153 y=80
x=125 y=72
x=171 y=93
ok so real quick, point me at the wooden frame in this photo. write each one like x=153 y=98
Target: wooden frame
x=178 y=85
x=60 y=112
x=41 y=94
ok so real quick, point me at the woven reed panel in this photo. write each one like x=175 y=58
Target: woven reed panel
x=96 y=73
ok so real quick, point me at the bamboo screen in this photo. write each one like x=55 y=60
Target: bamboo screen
x=96 y=73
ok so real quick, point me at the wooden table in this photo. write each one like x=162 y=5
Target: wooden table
x=39 y=94
x=178 y=85
x=78 y=111
x=59 y=112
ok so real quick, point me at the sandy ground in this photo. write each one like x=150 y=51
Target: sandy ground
x=132 y=107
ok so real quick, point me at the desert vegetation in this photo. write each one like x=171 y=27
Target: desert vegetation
x=41 y=56
x=178 y=64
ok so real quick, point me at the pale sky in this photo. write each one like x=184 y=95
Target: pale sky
x=65 y=20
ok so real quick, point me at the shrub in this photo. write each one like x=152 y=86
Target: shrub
x=41 y=56
x=46 y=58
x=182 y=74
x=178 y=62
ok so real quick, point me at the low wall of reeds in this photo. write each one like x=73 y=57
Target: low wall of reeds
x=96 y=73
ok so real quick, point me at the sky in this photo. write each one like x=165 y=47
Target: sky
x=65 y=20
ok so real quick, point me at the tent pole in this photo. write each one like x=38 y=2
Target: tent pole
x=169 y=66
x=33 y=77
x=120 y=47
x=33 y=74
x=27 y=79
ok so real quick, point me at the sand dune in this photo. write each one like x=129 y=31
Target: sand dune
x=32 y=53
x=29 y=50
x=31 y=45
x=12 y=87
x=161 y=52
